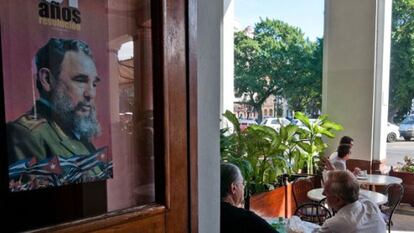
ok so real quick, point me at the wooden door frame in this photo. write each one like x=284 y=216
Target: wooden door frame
x=193 y=111
x=174 y=24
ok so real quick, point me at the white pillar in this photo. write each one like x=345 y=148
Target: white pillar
x=382 y=78
x=209 y=19
x=227 y=55
x=355 y=71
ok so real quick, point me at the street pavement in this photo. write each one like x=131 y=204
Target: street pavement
x=397 y=150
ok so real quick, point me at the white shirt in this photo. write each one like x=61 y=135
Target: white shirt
x=333 y=155
x=338 y=163
x=361 y=216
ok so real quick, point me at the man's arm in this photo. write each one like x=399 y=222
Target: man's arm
x=323 y=229
x=326 y=163
x=327 y=226
x=339 y=165
x=260 y=225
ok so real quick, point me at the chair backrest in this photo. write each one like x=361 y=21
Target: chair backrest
x=395 y=193
x=300 y=188
x=351 y=164
x=313 y=212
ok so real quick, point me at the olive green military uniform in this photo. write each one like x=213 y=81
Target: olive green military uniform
x=41 y=137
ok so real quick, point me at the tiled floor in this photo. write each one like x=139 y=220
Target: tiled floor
x=403 y=219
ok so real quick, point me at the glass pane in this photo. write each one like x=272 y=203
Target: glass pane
x=131 y=105
x=78 y=102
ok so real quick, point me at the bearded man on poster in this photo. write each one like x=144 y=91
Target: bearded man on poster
x=63 y=121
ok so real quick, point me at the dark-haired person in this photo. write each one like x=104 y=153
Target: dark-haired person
x=63 y=120
x=232 y=217
x=345 y=140
x=343 y=154
x=353 y=215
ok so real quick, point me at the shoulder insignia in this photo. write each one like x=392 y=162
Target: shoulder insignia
x=30 y=122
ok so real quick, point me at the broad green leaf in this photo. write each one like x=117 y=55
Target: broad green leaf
x=305 y=146
x=233 y=119
x=332 y=125
x=303 y=118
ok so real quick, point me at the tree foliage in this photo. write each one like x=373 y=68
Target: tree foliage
x=304 y=91
x=402 y=59
x=277 y=60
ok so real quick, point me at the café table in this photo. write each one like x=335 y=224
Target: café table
x=374 y=179
x=292 y=224
x=378 y=198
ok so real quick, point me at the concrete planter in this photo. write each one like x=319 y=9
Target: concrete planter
x=408 y=183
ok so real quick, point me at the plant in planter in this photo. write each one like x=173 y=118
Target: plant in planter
x=264 y=154
x=257 y=151
x=310 y=138
x=406 y=172
x=408 y=165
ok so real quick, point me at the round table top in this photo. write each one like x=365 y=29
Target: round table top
x=379 y=179
x=378 y=198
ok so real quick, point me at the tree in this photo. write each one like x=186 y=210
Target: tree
x=275 y=60
x=402 y=59
x=304 y=91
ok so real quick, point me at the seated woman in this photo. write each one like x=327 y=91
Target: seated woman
x=232 y=217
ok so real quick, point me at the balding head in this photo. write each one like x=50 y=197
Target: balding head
x=341 y=188
x=344 y=185
x=230 y=173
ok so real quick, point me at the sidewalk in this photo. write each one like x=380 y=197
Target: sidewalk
x=403 y=219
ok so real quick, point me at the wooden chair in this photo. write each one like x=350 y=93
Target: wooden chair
x=300 y=188
x=351 y=164
x=395 y=193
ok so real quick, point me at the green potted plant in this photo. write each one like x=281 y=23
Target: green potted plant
x=311 y=138
x=257 y=151
x=264 y=154
x=405 y=171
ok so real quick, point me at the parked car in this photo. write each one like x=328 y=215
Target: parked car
x=392 y=132
x=275 y=123
x=300 y=124
x=244 y=123
x=407 y=128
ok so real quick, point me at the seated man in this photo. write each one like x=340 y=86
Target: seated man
x=345 y=140
x=233 y=218
x=352 y=215
x=339 y=159
x=343 y=153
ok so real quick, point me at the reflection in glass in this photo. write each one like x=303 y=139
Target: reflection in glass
x=131 y=105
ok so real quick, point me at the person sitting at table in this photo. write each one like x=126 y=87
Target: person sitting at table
x=232 y=217
x=352 y=215
x=343 y=154
x=345 y=140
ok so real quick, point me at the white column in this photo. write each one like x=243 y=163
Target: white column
x=382 y=77
x=227 y=55
x=349 y=71
x=209 y=19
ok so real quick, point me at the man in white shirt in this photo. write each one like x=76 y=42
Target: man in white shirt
x=344 y=140
x=343 y=153
x=339 y=157
x=352 y=215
